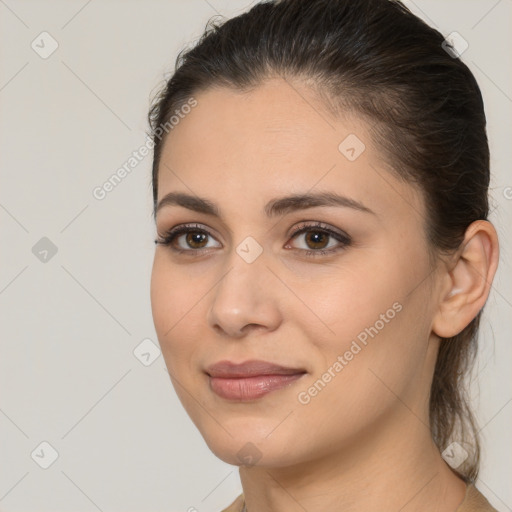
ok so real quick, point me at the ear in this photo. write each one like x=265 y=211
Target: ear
x=466 y=286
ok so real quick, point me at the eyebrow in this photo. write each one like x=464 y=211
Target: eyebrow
x=274 y=208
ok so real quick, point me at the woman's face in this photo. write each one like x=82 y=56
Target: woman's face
x=351 y=310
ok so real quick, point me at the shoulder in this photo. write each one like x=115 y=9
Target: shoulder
x=236 y=506
x=475 y=501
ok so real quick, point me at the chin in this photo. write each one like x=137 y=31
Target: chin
x=251 y=450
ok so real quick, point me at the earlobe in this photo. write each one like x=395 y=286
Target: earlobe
x=469 y=279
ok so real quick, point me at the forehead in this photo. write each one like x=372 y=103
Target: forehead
x=248 y=147
x=275 y=120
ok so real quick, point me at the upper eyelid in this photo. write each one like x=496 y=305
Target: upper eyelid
x=304 y=224
x=320 y=226
x=299 y=229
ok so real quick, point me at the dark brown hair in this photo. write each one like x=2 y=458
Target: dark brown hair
x=377 y=59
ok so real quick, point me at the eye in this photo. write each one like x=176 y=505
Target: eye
x=193 y=238
x=318 y=237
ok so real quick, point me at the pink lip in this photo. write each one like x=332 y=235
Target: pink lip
x=250 y=380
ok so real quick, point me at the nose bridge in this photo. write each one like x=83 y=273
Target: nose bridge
x=244 y=294
x=246 y=269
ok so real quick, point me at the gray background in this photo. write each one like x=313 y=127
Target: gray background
x=70 y=324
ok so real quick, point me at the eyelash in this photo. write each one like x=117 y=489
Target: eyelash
x=169 y=237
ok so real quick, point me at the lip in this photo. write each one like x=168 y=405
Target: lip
x=254 y=367
x=250 y=380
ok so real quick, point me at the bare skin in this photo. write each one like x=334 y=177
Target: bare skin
x=362 y=441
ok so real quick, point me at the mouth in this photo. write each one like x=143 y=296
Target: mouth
x=250 y=380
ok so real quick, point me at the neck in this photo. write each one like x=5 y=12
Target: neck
x=398 y=469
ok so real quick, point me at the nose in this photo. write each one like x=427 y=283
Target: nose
x=245 y=299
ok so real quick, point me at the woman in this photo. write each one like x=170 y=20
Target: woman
x=323 y=255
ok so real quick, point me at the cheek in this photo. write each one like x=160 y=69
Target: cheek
x=159 y=292
x=171 y=308
x=369 y=322
x=173 y=295
x=352 y=299
x=172 y=304
x=380 y=332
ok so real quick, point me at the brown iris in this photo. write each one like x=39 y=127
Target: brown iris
x=196 y=237
x=316 y=237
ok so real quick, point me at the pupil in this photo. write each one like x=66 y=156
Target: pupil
x=194 y=238
x=317 y=237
